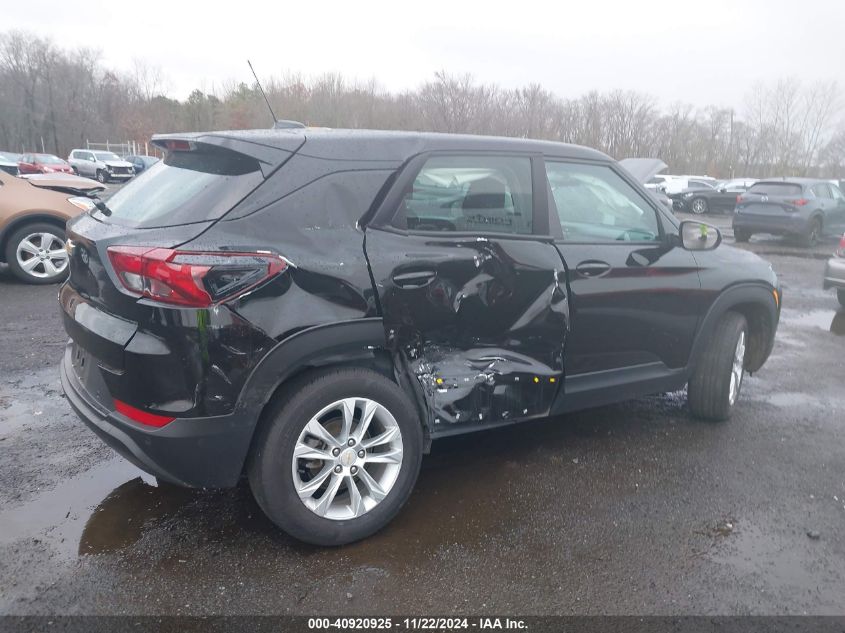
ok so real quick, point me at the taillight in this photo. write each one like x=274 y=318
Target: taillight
x=188 y=278
x=143 y=417
x=179 y=146
x=739 y=198
x=841 y=250
x=800 y=202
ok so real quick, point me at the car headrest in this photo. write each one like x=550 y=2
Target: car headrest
x=485 y=193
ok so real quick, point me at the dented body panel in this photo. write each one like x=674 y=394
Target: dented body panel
x=479 y=323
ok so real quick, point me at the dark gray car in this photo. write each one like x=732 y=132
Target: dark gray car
x=805 y=208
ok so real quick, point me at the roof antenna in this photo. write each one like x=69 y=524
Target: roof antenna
x=277 y=123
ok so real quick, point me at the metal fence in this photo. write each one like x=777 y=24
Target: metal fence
x=125 y=148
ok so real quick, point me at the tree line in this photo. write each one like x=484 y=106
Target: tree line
x=59 y=98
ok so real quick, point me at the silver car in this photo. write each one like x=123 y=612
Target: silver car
x=834 y=272
x=104 y=166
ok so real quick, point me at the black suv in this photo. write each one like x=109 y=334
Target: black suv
x=312 y=308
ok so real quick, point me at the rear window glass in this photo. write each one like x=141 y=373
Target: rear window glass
x=185 y=187
x=776 y=189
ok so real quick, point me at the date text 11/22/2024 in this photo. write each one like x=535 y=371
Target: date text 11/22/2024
x=421 y=623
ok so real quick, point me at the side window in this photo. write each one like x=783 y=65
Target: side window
x=821 y=191
x=477 y=194
x=837 y=193
x=595 y=204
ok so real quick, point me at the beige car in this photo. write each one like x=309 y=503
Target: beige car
x=33 y=212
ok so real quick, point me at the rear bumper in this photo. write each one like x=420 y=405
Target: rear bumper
x=834 y=273
x=196 y=452
x=774 y=224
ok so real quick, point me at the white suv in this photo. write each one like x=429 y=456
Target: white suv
x=104 y=166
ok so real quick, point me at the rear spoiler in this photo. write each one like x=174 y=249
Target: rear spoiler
x=270 y=152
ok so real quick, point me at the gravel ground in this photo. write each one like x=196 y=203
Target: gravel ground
x=634 y=509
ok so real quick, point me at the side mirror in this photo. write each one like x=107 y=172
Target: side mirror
x=697 y=236
x=722 y=190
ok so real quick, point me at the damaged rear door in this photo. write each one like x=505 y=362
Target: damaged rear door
x=471 y=287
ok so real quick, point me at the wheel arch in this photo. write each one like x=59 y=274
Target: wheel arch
x=356 y=343
x=756 y=302
x=38 y=217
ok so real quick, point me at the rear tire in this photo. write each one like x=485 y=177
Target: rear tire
x=24 y=250
x=811 y=237
x=840 y=294
x=741 y=236
x=699 y=206
x=716 y=382
x=280 y=480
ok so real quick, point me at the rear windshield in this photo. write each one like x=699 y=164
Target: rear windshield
x=183 y=188
x=776 y=189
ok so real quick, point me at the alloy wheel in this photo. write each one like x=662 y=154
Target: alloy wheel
x=737 y=368
x=699 y=206
x=347 y=458
x=42 y=255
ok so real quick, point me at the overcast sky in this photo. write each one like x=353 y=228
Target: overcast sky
x=698 y=52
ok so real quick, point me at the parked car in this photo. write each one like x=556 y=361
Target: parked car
x=834 y=272
x=678 y=184
x=706 y=199
x=33 y=212
x=799 y=207
x=645 y=170
x=314 y=307
x=139 y=162
x=9 y=163
x=104 y=166
x=43 y=164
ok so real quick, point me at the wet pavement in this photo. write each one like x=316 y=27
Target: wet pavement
x=635 y=508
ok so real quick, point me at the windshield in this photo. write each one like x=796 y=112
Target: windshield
x=8 y=158
x=776 y=189
x=106 y=156
x=46 y=159
x=185 y=187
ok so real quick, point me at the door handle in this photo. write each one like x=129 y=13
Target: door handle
x=592 y=268
x=415 y=279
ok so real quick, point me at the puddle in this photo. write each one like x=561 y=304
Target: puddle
x=87 y=514
x=788 y=563
x=463 y=497
x=831 y=320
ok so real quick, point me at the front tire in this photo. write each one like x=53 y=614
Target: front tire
x=336 y=456
x=699 y=206
x=741 y=236
x=36 y=254
x=716 y=382
x=102 y=176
